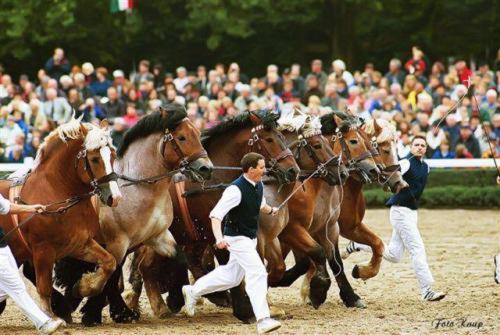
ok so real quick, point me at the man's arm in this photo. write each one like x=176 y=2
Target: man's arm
x=266 y=209
x=18 y=209
x=230 y=199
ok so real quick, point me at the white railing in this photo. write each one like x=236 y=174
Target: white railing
x=433 y=163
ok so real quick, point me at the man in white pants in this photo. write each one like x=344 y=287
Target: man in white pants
x=11 y=284
x=241 y=202
x=403 y=217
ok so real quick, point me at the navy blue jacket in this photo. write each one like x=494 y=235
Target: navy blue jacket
x=243 y=219
x=416 y=177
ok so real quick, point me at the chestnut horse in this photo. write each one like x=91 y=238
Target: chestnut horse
x=74 y=162
x=226 y=144
x=383 y=136
x=158 y=146
x=312 y=231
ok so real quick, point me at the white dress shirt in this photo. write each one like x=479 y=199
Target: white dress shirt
x=4 y=205
x=231 y=197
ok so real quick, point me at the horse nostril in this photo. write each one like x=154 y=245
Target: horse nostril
x=291 y=174
x=344 y=174
x=109 y=201
x=205 y=170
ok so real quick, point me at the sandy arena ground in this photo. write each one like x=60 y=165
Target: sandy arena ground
x=460 y=246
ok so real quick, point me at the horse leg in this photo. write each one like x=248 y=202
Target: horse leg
x=299 y=239
x=93 y=283
x=178 y=277
x=60 y=306
x=148 y=267
x=132 y=295
x=361 y=233
x=329 y=239
x=44 y=257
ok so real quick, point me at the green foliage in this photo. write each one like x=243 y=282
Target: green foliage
x=253 y=32
x=445 y=197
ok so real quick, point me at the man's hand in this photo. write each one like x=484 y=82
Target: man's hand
x=221 y=244
x=38 y=208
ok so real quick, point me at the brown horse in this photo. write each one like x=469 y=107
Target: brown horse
x=74 y=163
x=383 y=136
x=160 y=145
x=226 y=144
x=312 y=232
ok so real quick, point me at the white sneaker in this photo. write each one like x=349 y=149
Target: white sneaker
x=189 y=300
x=50 y=326
x=267 y=325
x=349 y=249
x=430 y=295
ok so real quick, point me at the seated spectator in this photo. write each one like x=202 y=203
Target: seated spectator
x=331 y=98
x=403 y=145
x=435 y=136
x=102 y=83
x=74 y=99
x=464 y=73
x=37 y=120
x=395 y=73
x=462 y=152
x=131 y=117
x=469 y=141
x=143 y=73
x=81 y=86
x=299 y=84
x=488 y=108
x=340 y=72
x=120 y=83
x=317 y=71
x=56 y=108
x=287 y=94
x=91 y=111
x=66 y=83
x=16 y=152
x=114 y=106
x=452 y=129
x=443 y=151
x=273 y=79
x=181 y=80
x=417 y=63
x=312 y=89
x=493 y=148
x=118 y=131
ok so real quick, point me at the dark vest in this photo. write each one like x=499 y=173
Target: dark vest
x=416 y=177
x=2 y=242
x=243 y=219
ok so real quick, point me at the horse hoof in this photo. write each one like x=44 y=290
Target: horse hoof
x=220 y=299
x=124 y=315
x=318 y=290
x=91 y=320
x=355 y=272
x=2 y=306
x=359 y=304
x=277 y=313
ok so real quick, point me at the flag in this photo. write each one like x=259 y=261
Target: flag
x=121 y=5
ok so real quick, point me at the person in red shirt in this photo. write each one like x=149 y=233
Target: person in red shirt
x=464 y=73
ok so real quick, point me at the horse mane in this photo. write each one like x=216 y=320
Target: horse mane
x=72 y=130
x=240 y=121
x=388 y=130
x=167 y=117
x=329 y=126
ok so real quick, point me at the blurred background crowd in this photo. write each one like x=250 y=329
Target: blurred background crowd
x=415 y=94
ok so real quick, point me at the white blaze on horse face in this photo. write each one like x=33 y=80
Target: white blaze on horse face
x=113 y=185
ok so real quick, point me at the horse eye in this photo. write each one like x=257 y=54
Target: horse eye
x=317 y=146
x=387 y=151
x=353 y=141
x=181 y=138
x=269 y=139
x=95 y=160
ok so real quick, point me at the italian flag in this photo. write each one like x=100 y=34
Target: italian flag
x=121 y=5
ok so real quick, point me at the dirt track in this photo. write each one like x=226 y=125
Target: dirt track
x=460 y=247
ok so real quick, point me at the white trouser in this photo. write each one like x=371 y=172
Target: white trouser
x=11 y=285
x=244 y=261
x=405 y=236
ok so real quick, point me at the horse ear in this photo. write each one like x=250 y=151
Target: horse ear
x=83 y=129
x=104 y=124
x=163 y=111
x=376 y=127
x=338 y=121
x=255 y=119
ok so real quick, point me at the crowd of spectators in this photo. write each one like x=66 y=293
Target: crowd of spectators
x=416 y=96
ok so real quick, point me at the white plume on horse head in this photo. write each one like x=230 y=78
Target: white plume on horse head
x=97 y=137
x=388 y=130
x=300 y=121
